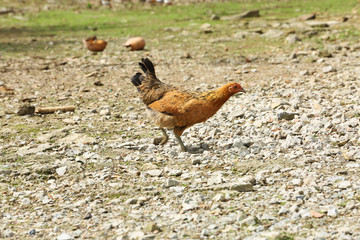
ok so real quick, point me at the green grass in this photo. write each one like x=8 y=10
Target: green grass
x=58 y=31
x=139 y=20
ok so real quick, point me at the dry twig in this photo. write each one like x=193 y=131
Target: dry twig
x=46 y=110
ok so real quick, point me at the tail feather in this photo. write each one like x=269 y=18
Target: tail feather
x=147 y=66
x=142 y=65
x=136 y=79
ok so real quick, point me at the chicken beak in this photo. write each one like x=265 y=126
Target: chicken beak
x=241 y=91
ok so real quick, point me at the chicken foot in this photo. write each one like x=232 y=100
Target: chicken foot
x=161 y=140
x=185 y=149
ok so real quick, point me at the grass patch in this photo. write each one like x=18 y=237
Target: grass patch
x=24 y=128
x=60 y=31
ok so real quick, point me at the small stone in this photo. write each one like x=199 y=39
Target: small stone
x=155 y=172
x=219 y=198
x=296 y=182
x=141 y=200
x=8 y=233
x=316 y=106
x=214 y=17
x=325 y=53
x=32 y=232
x=105 y=112
x=283 y=211
x=204 y=233
x=274 y=235
x=291 y=141
x=61 y=170
x=77 y=138
x=247 y=179
x=317 y=24
x=171 y=183
x=148 y=237
x=25 y=201
x=328 y=69
x=273 y=33
x=215 y=179
x=153 y=227
x=286 y=116
x=187 y=78
x=64 y=236
x=98 y=83
x=132 y=201
x=294 y=208
x=292 y=39
x=304 y=73
x=267 y=217
x=344 y=185
x=322 y=235
x=88 y=215
x=173 y=236
x=196 y=161
x=189 y=206
x=77 y=233
x=46 y=200
x=333 y=212
x=175 y=173
x=136 y=235
x=240 y=187
x=257 y=123
x=206 y=28
x=307 y=17
x=293 y=55
x=310 y=180
x=26 y=109
x=277 y=103
x=186 y=55
x=350 y=205
x=249 y=221
x=316 y=214
x=236 y=114
x=247 y=14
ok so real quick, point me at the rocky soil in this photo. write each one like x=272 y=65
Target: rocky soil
x=279 y=162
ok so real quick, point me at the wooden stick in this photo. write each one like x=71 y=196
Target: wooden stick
x=46 y=110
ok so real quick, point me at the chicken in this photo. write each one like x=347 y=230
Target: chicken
x=175 y=108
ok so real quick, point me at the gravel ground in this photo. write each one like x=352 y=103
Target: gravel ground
x=279 y=162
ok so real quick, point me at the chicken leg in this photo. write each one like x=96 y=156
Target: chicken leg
x=161 y=140
x=178 y=138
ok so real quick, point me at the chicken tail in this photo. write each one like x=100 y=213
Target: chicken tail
x=136 y=79
x=148 y=67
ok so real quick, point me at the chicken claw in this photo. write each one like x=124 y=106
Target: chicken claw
x=161 y=140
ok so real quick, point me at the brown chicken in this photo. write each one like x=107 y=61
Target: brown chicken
x=177 y=109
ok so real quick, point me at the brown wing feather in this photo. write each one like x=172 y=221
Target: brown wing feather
x=171 y=103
